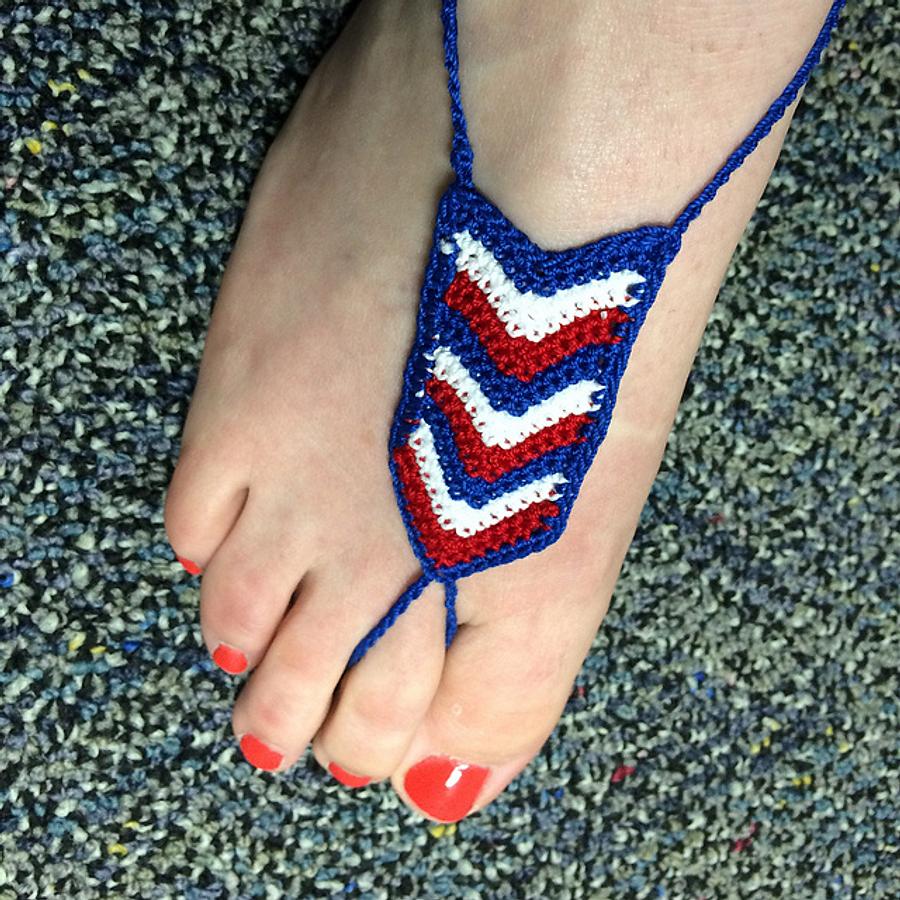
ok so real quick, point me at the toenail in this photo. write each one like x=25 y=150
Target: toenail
x=444 y=788
x=230 y=659
x=260 y=754
x=348 y=778
x=190 y=567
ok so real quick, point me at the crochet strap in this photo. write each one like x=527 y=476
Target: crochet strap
x=461 y=155
x=775 y=112
x=401 y=604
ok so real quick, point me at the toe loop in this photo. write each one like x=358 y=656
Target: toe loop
x=400 y=606
x=450 y=604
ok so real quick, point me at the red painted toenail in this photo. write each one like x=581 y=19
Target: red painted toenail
x=191 y=567
x=444 y=788
x=260 y=754
x=230 y=659
x=348 y=778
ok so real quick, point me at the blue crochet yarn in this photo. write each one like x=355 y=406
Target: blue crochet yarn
x=466 y=219
x=399 y=607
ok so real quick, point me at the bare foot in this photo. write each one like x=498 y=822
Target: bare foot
x=607 y=120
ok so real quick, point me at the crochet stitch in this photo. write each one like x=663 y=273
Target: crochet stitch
x=512 y=380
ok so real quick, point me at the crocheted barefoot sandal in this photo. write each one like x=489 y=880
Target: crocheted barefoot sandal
x=511 y=383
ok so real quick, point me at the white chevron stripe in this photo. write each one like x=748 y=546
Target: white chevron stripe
x=459 y=516
x=499 y=428
x=532 y=315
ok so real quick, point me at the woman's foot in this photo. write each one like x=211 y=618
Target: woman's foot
x=608 y=120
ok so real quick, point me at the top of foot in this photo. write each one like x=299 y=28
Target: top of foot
x=584 y=125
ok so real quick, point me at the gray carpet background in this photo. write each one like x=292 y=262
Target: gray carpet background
x=746 y=671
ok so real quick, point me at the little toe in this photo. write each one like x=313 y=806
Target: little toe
x=203 y=501
x=384 y=697
x=248 y=585
x=503 y=688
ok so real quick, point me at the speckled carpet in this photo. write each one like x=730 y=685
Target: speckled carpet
x=734 y=733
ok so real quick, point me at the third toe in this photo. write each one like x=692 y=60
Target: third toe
x=289 y=693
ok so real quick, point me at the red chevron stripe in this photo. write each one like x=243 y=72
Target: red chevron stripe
x=489 y=463
x=446 y=548
x=520 y=356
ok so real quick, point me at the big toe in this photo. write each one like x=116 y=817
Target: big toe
x=504 y=685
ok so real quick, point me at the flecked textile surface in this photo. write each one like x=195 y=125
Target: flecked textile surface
x=734 y=732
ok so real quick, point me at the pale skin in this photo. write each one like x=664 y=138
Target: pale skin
x=611 y=119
